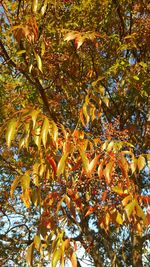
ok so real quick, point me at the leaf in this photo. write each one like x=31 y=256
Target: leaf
x=71 y=36
x=44 y=131
x=34 y=115
x=129 y=208
x=100 y=170
x=118 y=190
x=15 y=183
x=141 y=163
x=52 y=162
x=73 y=260
x=85 y=161
x=61 y=164
x=79 y=41
x=92 y=165
x=21 y=52
x=29 y=254
x=110 y=146
x=25 y=182
x=11 y=131
x=39 y=62
x=35 y=174
x=90 y=211
x=54 y=131
x=37 y=242
x=56 y=257
x=108 y=171
x=133 y=165
x=34 y=6
x=126 y=200
x=119 y=218
x=43 y=8
x=140 y=213
x=37 y=137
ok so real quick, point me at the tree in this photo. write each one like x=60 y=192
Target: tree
x=74 y=131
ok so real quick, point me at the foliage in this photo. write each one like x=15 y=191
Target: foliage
x=74 y=131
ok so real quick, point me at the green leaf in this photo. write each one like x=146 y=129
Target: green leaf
x=11 y=131
x=44 y=131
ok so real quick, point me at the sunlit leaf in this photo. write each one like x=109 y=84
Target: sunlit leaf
x=11 y=131
x=126 y=200
x=119 y=218
x=141 y=163
x=34 y=6
x=44 y=131
x=25 y=181
x=34 y=115
x=129 y=208
x=140 y=213
x=39 y=62
x=73 y=260
x=108 y=171
x=56 y=257
x=37 y=242
x=61 y=164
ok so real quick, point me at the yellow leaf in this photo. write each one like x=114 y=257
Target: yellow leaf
x=129 y=208
x=118 y=190
x=126 y=200
x=39 y=62
x=25 y=182
x=44 y=131
x=34 y=115
x=11 y=131
x=71 y=36
x=140 y=213
x=108 y=171
x=34 y=6
x=29 y=254
x=56 y=257
x=92 y=165
x=37 y=242
x=85 y=161
x=141 y=163
x=119 y=219
x=14 y=185
x=61 y=164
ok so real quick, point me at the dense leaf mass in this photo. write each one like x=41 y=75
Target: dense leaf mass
x=74 y=126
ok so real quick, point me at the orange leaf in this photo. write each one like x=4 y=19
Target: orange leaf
x=73 y=260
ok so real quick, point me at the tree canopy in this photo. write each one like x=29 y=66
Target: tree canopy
x=74 y=126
